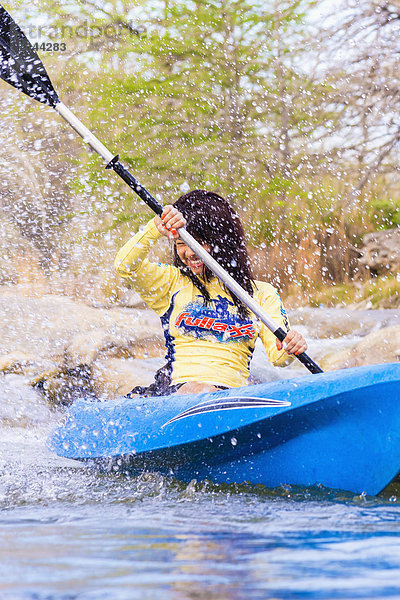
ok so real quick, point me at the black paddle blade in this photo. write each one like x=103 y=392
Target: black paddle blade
x=20 y=66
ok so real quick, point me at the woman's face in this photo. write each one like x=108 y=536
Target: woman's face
x=189 y=258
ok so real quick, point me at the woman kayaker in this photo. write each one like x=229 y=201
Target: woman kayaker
x=209 y=333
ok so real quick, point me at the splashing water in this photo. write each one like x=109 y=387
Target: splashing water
x=68 y=531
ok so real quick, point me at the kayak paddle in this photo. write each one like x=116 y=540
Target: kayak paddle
x=21 y=67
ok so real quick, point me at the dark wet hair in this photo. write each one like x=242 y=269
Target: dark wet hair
x=212 y=220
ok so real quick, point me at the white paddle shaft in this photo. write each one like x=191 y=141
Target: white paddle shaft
x=207 y=259
x=84 y=132
x=227 y=279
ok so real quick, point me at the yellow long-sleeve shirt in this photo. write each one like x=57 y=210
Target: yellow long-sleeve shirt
x=205 y=343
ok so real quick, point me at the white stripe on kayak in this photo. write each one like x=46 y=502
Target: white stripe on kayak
x=229 y=403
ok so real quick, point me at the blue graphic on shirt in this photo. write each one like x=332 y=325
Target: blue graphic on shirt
x=201 y=321
x=283 y=313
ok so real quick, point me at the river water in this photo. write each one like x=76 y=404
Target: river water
x=68 y=532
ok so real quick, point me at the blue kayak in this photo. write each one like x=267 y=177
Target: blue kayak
x=339 y=429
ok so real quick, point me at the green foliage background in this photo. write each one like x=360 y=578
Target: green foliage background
x=242 y=97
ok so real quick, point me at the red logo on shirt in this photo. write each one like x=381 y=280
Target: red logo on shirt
x=212 y=324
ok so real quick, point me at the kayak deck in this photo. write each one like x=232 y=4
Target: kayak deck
x=339 y=429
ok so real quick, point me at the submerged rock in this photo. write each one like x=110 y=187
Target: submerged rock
x=67 y=385
x=55 y=341
x=377 y=347
x=325 y=323
x=20 y=405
